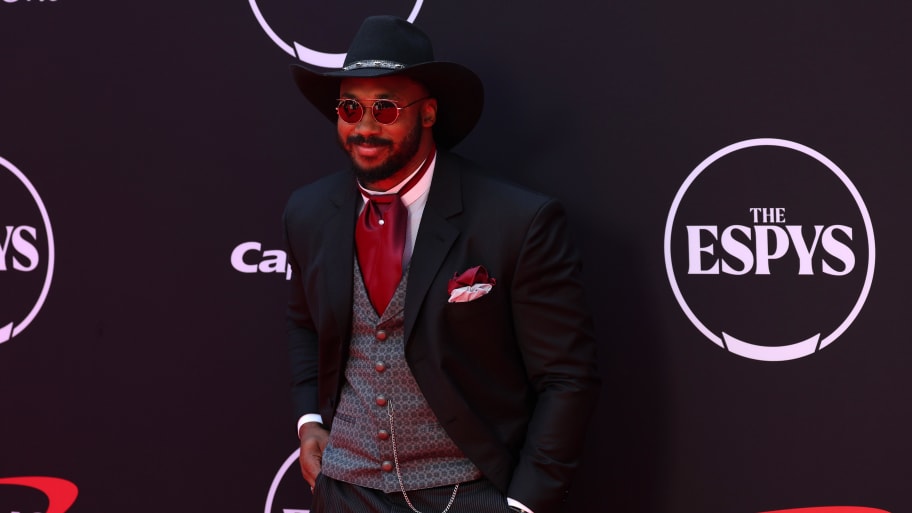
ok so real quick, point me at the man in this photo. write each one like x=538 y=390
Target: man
x=442 y=357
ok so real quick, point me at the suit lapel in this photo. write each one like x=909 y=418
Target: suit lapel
x=436 y=236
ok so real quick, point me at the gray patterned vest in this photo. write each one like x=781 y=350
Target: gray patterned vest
x=377 y=379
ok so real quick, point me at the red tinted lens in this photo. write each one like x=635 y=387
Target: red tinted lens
x=385 y=111
x=350 y=111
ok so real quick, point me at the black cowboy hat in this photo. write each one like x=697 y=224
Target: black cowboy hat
x=386 y=46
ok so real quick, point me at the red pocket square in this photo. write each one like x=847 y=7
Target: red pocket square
x=471 y=284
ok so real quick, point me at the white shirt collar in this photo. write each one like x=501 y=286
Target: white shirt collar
x=418 y=190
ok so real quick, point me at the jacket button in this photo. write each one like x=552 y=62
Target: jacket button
x=383 y=434
x=380 y=366
x=381 y=335
x=387 y=466
x=381 y=400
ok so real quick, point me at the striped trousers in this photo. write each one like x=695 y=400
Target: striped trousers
x=332 y=496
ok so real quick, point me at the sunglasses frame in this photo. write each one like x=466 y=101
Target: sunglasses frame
x=363 y=107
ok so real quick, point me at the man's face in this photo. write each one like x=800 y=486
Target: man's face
x=383 y=155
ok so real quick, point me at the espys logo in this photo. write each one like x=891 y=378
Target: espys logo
x=286 y=17
x=769 y=249
x=288 y=489
x=26 y=251
x=59 y=494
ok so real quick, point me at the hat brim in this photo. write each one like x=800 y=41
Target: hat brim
x=459 y=93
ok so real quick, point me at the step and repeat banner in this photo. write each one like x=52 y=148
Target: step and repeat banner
x=737 y=176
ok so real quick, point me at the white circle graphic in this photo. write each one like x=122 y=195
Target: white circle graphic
x=270 y=496
x=14 y=328
x=746 y=349
x=309 y=55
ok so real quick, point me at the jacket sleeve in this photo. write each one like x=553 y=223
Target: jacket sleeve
x=302 y=339
x=555 y=335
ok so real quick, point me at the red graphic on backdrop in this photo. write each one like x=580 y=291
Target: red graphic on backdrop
x=831 y=509
x=61 y=493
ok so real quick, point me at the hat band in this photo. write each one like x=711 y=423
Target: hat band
x=374 y=64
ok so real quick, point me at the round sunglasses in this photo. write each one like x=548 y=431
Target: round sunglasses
x=385 y=112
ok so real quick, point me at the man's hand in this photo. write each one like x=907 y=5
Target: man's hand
x=313 y=441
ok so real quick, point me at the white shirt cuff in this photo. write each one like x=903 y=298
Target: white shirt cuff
x=516 y=504
x=310 y=417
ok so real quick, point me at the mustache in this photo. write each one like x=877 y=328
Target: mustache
x=372 y=140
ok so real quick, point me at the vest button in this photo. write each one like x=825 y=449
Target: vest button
x=381 y=400
x=387 y=466
x=380 y=366
x=381 y=335
x=383 y=434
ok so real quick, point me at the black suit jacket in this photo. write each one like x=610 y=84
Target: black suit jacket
x=511 y=376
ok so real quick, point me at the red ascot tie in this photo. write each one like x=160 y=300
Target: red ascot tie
x=380 y=241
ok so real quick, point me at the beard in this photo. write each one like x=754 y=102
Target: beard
x=398 y=159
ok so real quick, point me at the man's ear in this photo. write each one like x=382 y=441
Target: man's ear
x=429 y=113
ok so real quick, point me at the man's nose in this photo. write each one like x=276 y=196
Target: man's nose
x=368 y=123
